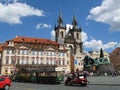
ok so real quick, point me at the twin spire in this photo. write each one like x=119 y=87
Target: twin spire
x=60 y=21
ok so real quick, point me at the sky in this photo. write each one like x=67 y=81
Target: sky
x=99 y=20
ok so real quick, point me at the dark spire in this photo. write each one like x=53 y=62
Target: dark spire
x=55 y=27
x=101 y=53
x=60 y=20
x=74 y=22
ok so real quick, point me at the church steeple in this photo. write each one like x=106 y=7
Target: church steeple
x=60 y=20
x=74 y=22
x=60 y=30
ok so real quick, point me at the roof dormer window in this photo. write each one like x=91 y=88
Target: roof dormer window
x=11 y=43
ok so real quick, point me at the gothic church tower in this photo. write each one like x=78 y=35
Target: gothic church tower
x=73 y=37
x=60 y=30
x=72 y=40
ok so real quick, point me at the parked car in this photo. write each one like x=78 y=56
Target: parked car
x=5 y=82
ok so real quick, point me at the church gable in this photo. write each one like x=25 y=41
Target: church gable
x=69 y=38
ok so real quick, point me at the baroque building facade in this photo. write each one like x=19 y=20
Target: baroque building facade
x=30 y=53
x=72 y=41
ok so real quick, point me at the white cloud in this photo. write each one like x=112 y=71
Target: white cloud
x=43 y=25
x=93 y=44
x=118 y=45
x=108 y=12
x=110 y=45
x=53 y=35
x=13 y=12
x=68 y=27
x=97 y=44
x=84 y=36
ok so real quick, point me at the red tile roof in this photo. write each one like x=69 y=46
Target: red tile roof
x=20 y=39
x=117 y=50
x=32 y=42
x=0 y=48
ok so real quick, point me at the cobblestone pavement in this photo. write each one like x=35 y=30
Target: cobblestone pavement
x=105 y=80
x=96 y=83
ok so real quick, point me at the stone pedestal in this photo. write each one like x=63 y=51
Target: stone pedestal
x=105 y=68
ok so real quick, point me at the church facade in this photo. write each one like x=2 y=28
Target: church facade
x=72 y=41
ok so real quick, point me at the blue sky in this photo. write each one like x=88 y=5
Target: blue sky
x=99 y=20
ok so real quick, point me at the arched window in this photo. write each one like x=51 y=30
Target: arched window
x=71 y=50
x=62 y=34
x=77 y=35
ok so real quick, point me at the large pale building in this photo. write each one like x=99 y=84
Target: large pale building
x=96 y=54
x=30 y=53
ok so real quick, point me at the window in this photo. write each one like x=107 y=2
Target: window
x=27 y=60
x=41 y=61
x=7 y=60
x=37 y=52
x=33 y=52
x=51 y=61
x=27 y=52
x=63 y=54
x=22 y=61
x=41 y=52
x=37 y=61
x=7 y=52
x=54 y=53
x=18 y=61
x=12 y=61
x=47 y=61
x=55 y=61
x=33 y=62
x=63 y=62
x=47 y=53
x=67 y=62
x=18 y=51
x=62 y=34
x=59 y=54
x=50 y=53
x=59 y=62
x=23 y=52
x=12 y=51
x=77 y=35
